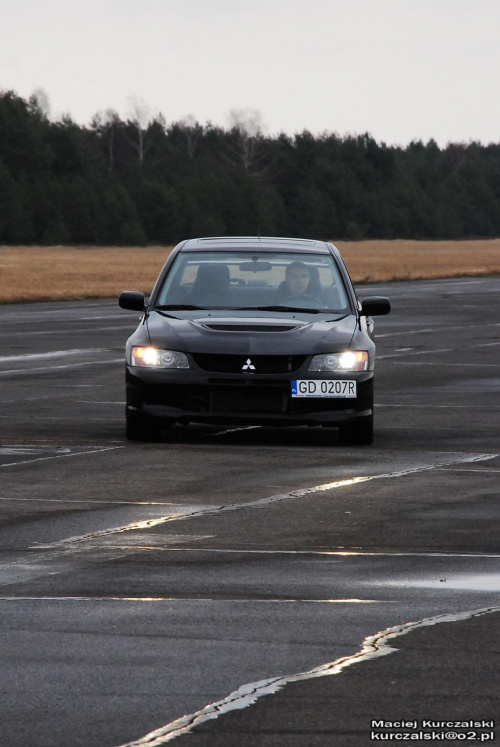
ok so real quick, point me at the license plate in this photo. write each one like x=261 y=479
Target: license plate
x=317 y=388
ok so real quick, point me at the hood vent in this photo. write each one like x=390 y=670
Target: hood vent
x=251 y=327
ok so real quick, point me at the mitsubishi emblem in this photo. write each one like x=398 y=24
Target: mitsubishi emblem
x=248 y=366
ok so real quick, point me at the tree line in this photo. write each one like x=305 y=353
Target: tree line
x=137 y=180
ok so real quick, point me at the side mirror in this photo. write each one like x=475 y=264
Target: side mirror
x=132 y=300
x=375 y=306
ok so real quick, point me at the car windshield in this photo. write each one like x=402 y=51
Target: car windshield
x=254 y=280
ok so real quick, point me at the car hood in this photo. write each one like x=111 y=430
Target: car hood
x=253 y=336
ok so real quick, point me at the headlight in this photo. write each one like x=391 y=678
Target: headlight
x=351 y=360
x=154 y=358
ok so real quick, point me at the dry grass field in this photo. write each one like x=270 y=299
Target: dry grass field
x=379 y=261
x=68 y=273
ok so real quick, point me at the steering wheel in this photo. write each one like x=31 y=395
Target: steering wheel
x=302 y=297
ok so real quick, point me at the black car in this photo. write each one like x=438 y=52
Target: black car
x=251 y=330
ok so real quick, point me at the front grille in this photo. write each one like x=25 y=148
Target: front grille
x=263 y=364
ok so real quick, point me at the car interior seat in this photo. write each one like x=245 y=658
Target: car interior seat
x=211 y=286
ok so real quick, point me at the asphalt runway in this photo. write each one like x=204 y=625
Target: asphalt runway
x=143 y=583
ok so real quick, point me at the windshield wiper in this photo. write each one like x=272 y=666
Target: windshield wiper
x=164 y=313
x=191 y=307
x=179 y=307
x=283 y=308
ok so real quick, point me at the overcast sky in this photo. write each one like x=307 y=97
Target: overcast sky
x=398 y=69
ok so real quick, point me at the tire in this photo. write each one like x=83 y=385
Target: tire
x=139 y=429
x=357 y=433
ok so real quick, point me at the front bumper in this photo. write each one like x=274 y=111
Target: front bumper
x=240 y=399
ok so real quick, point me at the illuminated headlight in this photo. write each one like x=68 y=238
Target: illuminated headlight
x=351 y=360
x=154 y=358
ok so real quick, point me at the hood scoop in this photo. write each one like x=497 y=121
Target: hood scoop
x=250 y=326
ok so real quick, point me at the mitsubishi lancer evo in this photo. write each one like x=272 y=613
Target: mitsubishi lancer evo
x=252 y=331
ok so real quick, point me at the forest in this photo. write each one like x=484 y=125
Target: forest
x=135 y=182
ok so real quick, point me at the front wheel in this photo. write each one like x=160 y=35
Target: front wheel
x=357 y=433
x=138 y=428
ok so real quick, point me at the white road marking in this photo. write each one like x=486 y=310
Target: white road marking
x=434 y=329
x=372 y=647
x=105 y=316
x=333 y=553
x=66 y=367
x=416 y=352
x=474 y=471
x=54 y=354
x=59 y=456
x=430 y=329
x=117 y=503
x=196 y=600
x=406 y=332
x=71 y=418
x=88 y=386
x=445 y=407
x=98 y=402
x=445 y=363
x=122 y=327
x=23 y=450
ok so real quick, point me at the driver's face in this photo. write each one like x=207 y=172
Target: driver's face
x=297 y=280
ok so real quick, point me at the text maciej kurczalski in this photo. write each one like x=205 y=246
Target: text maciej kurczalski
x=430 y=724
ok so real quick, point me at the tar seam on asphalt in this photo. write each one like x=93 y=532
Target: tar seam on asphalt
x=373 y=646
x=216 y=510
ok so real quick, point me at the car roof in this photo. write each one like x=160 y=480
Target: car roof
x=255 y=243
